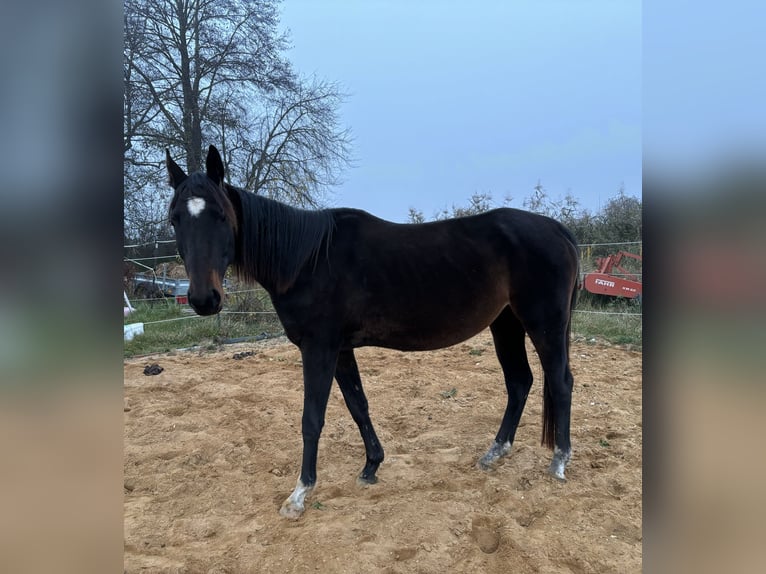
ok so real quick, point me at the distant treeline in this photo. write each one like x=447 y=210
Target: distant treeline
x=619 y=220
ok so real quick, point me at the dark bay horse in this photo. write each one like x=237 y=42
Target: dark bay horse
x=342 y=278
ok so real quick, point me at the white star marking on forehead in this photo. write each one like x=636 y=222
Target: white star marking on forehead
x=195 y=205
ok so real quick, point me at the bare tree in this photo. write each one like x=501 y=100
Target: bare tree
x=620 y=219
x=296 y=150
x=214 y=71
x=539 y=202
x=415 y=216
x=477 y=203
x=189 y=56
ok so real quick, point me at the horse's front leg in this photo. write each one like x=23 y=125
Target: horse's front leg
x=318 y=369
x=350 y=383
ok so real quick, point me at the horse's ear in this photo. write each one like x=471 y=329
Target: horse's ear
x=175 y=174
x=214 y=165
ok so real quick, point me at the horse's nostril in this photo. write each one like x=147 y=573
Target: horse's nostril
x=216 y=297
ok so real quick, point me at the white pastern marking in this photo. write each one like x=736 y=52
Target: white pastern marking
x=294 y=506
x=195 y=205
x=299 y=494
x=559 y=462
x=561 y=455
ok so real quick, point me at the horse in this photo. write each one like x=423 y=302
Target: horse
x=342 y=278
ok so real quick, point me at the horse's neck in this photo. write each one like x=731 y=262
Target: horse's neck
x=278 y=240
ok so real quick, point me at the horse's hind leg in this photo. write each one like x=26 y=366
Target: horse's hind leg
x=350 y=383
x=508 y=335
x=552 y=348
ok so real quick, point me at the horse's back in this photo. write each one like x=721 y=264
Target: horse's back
x=499 y=239
x=424 y=286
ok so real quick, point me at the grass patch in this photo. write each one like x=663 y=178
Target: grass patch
x=617 y=321
x=168 y=326
x=449 y=394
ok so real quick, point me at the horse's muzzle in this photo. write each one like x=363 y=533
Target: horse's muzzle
x=208 y=302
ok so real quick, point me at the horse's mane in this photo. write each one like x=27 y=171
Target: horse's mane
x=275 y=241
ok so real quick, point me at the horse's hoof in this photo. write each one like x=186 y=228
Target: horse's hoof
x=497 y=450
x=559 y=463
x=484 y=465
x=366 y=481
x=293 y=506
x=557 y=474
x=291 y=511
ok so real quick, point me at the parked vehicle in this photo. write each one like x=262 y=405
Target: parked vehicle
x=150 y=286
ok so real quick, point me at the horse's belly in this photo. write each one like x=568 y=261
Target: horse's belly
x=419 y=331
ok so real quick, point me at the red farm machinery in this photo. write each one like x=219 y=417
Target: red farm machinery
x=610 y=278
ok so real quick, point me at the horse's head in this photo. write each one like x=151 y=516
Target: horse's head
x=205 y=224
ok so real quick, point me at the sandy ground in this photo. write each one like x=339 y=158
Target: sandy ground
x=213 y=446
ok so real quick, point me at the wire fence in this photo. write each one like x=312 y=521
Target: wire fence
x=257 y=290
x=148 y=243
x=622 y=314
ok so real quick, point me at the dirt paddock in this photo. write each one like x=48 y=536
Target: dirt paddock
x=213 y=447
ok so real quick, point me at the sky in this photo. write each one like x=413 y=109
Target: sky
x=447 y=99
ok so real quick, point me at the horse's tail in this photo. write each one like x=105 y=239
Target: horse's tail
x=549 y=424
